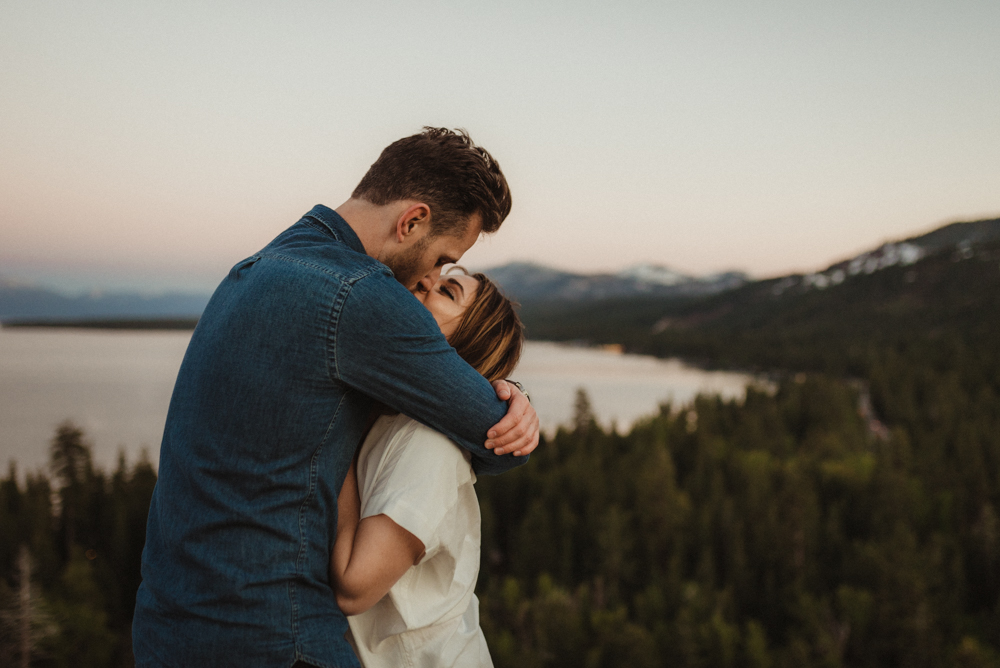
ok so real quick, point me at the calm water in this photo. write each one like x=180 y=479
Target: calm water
x=117 y=385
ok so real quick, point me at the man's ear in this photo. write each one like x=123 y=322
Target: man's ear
x=414 y=220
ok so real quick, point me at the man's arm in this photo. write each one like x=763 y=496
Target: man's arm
x=387 y=345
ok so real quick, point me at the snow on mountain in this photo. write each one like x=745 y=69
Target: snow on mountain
x=655 y=274
x=528 y=281
x=961 y=237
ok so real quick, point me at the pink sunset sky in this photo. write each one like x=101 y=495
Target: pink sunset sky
x=152 y=145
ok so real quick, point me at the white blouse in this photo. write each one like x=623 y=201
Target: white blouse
x=424 y=483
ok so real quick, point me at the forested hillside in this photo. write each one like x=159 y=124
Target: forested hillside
x=848 y=519
x=783 y=531
x=70 y=547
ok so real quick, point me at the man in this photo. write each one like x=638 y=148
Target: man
x=273 y=396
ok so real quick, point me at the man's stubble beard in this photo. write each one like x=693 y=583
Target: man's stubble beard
x=406 y=265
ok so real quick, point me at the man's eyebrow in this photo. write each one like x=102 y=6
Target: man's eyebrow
x=457 y=284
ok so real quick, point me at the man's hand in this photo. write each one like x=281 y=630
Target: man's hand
x=517 y=432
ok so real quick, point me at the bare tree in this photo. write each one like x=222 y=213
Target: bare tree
x=24 y=598
x=24 y=624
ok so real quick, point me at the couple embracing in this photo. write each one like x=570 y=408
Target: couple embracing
x=335 y=403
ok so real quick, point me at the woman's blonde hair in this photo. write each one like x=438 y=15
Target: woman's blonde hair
x=490 y=335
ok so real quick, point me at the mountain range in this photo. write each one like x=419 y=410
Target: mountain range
x=962 y=237
x=526 y=281
x=529 y=282
x=19 y=301
x=522 y=280
x=532 y=283
x=903 y=296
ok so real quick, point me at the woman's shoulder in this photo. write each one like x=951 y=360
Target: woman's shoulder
x=413 y=475
x=413 y=444
x=406 y=430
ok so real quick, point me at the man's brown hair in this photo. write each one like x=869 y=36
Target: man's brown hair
x=490 y=335
x=444 y=169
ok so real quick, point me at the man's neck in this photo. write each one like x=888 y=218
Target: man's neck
x=369 y=221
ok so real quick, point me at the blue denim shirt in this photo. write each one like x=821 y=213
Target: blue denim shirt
x=269 y=406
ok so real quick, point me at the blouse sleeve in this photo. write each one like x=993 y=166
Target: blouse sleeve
x=415 y=481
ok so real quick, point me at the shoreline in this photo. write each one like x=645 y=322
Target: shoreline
x=146 y=324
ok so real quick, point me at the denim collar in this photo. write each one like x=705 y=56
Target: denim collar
x=332 y=222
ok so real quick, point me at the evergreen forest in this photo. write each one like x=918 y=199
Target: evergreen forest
x=70 y=550
x=846 y=513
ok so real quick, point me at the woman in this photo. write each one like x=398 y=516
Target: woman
x=409 y=523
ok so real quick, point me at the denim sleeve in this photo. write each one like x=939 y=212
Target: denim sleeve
x=385 y=344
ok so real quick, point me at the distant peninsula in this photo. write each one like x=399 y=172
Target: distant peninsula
x=176 y=324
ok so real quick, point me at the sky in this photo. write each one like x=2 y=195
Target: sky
x=150 y=145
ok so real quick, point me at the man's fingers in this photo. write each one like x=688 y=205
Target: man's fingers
x=515 y=413
x=522 y=446
x=502 y=388
x=501 y=429
x=514 y=432
x=531 y=441
x=527 y=450
x=522 y=436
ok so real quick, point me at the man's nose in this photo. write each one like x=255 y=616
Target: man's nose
x=426 y=284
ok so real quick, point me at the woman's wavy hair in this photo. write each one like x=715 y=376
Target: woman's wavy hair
x=490 y=335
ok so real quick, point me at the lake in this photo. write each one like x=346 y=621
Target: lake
x=116 y=385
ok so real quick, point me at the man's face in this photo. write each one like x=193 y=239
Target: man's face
x=419 y=263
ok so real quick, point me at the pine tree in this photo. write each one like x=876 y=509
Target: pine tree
x=70 y=464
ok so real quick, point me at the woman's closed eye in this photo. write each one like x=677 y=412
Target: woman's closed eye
x=447 y=291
